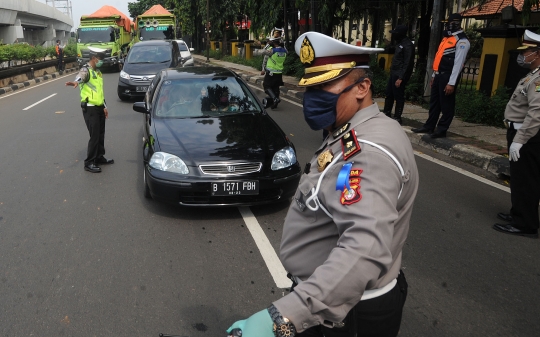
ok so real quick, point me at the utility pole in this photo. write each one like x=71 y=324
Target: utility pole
x=285 y=23
x=207 y=31
x=433 y=43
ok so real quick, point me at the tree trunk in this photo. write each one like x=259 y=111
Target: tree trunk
x=434 y=41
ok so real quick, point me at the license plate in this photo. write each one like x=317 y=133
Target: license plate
x=235 y=188
x=141 y=89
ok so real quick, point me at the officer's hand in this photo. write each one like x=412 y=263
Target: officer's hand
x=398 y=83
x=513 y=152
x=72 y=84
x=257 y=325
x=449 y=89
x=106 y=112
x=431 y=82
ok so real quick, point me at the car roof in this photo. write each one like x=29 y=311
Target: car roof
x=153 y=43
x=196 y=72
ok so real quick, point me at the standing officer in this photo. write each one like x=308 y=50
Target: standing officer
x=522 y=119
x=447 y=66
x=94 y=109
x=274 y=58
x=345 y=229
x=400 y=73
x=59 y=55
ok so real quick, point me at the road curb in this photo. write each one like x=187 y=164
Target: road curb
x=29 y=83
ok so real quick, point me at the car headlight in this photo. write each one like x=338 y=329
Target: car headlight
x=167 y=162
x=283 y=158
x=125 y=75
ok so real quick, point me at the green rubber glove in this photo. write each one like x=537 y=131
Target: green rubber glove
x=257 y=325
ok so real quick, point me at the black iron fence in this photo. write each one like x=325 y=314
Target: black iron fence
x=469 y=75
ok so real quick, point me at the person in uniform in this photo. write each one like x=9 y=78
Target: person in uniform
x=522 y=120
x=349 y=219
x=90 y=81
x=400 y=73
x=447 y=67
x=59 y=55
x=274 y=58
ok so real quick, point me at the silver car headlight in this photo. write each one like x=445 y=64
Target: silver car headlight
x=283 y=158
x=125 y=75
x=167 y=162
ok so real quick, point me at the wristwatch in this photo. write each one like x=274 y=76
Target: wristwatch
x=282 y=326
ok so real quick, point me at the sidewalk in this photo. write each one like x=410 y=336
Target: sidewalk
x=17 y=86
x=479 y=145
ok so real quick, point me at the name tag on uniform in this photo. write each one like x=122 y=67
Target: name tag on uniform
x=400 y=46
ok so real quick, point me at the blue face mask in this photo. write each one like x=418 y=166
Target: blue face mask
x=99 y=63
x=320 y=106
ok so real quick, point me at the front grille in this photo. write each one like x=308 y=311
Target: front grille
x=142 y=79
x=86 y=53
x=232 y=169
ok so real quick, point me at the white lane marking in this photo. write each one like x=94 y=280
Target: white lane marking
x=267 y=251
x=33 y=105
x=34 y=86
x=462 y=171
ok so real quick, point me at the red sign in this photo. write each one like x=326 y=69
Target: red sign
x=243 y=24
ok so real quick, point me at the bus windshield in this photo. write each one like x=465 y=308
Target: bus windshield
x=95 y=34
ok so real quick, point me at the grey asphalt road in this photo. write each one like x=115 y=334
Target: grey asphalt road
x=86 y=255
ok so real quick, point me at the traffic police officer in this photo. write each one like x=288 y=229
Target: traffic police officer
x=400 y=73
x=522 y=119
x=447 y=66
x=90 y=81
x=345 y=229
x=274 y=58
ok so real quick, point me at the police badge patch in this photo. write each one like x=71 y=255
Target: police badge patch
x=351 y=192
x=537 y=86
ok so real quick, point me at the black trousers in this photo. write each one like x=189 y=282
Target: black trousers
x=525 y=183
x=94 y=117
x=393 y=93
x=377 y=317
x=60 y=63
x=440 y=102
x=273 y=82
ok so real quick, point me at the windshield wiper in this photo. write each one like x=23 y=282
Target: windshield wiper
x=140 y=62
x=165 y=61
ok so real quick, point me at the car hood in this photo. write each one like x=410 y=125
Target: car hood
x=144 y=68
x=250 y=137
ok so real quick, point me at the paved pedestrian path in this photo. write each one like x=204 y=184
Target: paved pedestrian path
x=480 y=145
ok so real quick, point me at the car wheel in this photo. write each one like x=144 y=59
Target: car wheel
x=147 y=194
x=123 y=97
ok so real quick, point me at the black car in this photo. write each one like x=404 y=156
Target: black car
x=143 y=61
x=208 y=141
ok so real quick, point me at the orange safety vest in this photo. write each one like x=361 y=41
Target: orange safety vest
x=444 y=59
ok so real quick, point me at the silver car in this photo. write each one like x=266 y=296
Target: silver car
x=186 y=60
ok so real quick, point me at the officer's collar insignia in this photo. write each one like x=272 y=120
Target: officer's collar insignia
x=349 y=144
x=307 y=53
x=324 y=159
x=351 y=189
x=535 y=70
x=340 y=131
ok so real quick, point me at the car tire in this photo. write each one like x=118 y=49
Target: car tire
x=147 y=194
x=123 y=97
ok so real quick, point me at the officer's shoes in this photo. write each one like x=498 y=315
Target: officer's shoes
x=276 y=102
x=92 y=168
x=104 y=161
x=438 y=134
x=423 y=129
x=509 y=229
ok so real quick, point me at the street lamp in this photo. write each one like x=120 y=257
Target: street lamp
x=207 y=31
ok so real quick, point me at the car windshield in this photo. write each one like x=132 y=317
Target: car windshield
x=149 y=54
x=182 y=46
x=204 y=97
x=95 y=34
x=156 y=33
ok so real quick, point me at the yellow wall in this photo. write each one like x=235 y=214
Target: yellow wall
x=500 y=47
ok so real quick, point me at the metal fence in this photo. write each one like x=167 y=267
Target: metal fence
x=469 y=75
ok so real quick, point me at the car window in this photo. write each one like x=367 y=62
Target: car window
x=182 y=46
x=199 y=97
x=152 y=89
x=149 y=54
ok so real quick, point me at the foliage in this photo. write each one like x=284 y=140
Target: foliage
x=476 y=40
x=414 y=91
x=254 y=62
x=475 y=107
x=31 y=54
x=380 y=78
x=292 y=66
x=140 y=6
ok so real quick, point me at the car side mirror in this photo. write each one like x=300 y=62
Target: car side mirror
x=191 y=49
x=121 y=60
x=140 y=107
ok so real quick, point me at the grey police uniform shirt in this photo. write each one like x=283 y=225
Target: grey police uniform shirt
x=361 y=247
x=524 y=107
